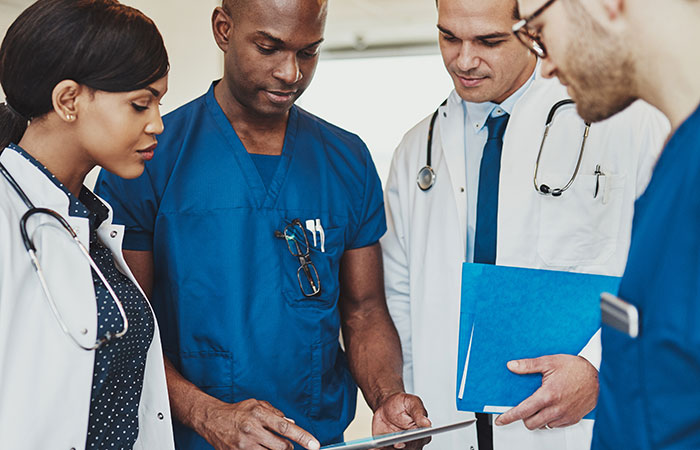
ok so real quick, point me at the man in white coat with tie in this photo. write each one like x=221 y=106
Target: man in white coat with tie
x=485 y=202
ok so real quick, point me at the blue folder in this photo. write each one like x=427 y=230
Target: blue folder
x=514 y=313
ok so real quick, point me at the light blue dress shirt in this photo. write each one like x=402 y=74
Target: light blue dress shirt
x=475 y=136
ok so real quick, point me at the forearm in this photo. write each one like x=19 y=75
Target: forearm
x=188 y=403
x=374 y=354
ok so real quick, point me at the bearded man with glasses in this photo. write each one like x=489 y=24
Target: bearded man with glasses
x=481 y=207
x=612 y=53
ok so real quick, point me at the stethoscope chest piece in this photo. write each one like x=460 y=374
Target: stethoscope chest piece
x=426 y=178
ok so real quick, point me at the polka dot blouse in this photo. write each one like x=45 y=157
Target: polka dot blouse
x=119 y=364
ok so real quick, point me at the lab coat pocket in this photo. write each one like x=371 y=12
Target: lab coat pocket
x=581 y=227
x=211 y=371
x=324 y=256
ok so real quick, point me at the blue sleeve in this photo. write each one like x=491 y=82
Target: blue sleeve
x=371 y=224
x=135 y=206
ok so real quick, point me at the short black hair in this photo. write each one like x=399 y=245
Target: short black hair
x=101 y=44
x=516 y=10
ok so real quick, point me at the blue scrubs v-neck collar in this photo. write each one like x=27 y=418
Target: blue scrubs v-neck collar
x=264 y=196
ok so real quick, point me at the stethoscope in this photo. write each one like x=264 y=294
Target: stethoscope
x=31 y=250
x=426 y=175
x=543 y=188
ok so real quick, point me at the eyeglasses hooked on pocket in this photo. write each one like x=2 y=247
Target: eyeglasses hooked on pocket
x=298 y=245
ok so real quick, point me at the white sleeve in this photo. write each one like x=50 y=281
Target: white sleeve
x=592 y=351
x=396 y=270
x=654 y=129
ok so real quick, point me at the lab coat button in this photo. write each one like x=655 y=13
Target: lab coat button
x=84 y=331
x=113 y=234
x=160 y=416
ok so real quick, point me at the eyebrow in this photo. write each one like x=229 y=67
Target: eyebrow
x=155 y=92
x=445 y=30
x=483 y=37
x=496 y=35
x=279 y=41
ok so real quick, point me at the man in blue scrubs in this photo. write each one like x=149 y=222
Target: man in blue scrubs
x=611 y=52
x=255 y=231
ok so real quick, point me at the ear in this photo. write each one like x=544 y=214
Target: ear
x=613 y=8
x=65 y=99
x=221 y=24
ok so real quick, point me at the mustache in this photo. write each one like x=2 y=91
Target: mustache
x=472 y=73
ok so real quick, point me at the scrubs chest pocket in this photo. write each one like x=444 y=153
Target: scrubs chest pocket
x=580 y=228
x=325 y=251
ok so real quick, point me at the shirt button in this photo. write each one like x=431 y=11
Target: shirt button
x=160 y=416
x=113 y=234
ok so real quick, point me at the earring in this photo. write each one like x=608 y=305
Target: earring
x=70 y=117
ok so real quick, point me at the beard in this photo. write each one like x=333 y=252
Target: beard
x=600 y=72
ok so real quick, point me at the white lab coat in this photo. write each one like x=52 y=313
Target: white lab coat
x=424 y=247
x=45 y=378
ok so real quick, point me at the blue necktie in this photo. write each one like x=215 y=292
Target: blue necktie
x=487 y=201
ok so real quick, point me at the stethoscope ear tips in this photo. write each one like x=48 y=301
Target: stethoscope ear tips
x=544 y=189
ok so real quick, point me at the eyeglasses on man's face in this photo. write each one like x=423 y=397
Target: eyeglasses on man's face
x=298 y=245
x=529 y=38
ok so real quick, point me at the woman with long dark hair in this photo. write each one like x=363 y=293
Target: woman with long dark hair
x=80 y=356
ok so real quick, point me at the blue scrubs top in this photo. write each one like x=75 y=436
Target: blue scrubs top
x=650 y=386
x=232 y=316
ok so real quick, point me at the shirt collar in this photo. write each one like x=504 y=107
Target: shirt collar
x=476 y=114
x=87 y=205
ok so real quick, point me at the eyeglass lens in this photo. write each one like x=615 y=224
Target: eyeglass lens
x=298 y=245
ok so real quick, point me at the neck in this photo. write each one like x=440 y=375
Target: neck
x=54 y=147
x=667 y=69
x=259 y=133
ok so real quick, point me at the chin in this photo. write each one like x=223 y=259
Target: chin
x=474 y=95
x=128 y=172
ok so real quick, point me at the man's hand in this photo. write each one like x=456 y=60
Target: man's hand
x=399 y=412
x=569 y=391
x=252 y=424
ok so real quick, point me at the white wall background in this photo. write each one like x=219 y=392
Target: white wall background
x=377 y=98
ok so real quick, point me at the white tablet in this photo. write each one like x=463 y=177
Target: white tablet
x=385 y=440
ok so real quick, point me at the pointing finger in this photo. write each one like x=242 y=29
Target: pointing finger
x=525 y=409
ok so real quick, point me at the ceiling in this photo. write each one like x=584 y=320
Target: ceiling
x=358 y=28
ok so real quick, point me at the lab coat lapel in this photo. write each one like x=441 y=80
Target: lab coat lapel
x=450 y=140
x=69 y=284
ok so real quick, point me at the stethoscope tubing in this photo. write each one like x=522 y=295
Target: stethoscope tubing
x=543 y=189
x=31 y=250
x=427 y=176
